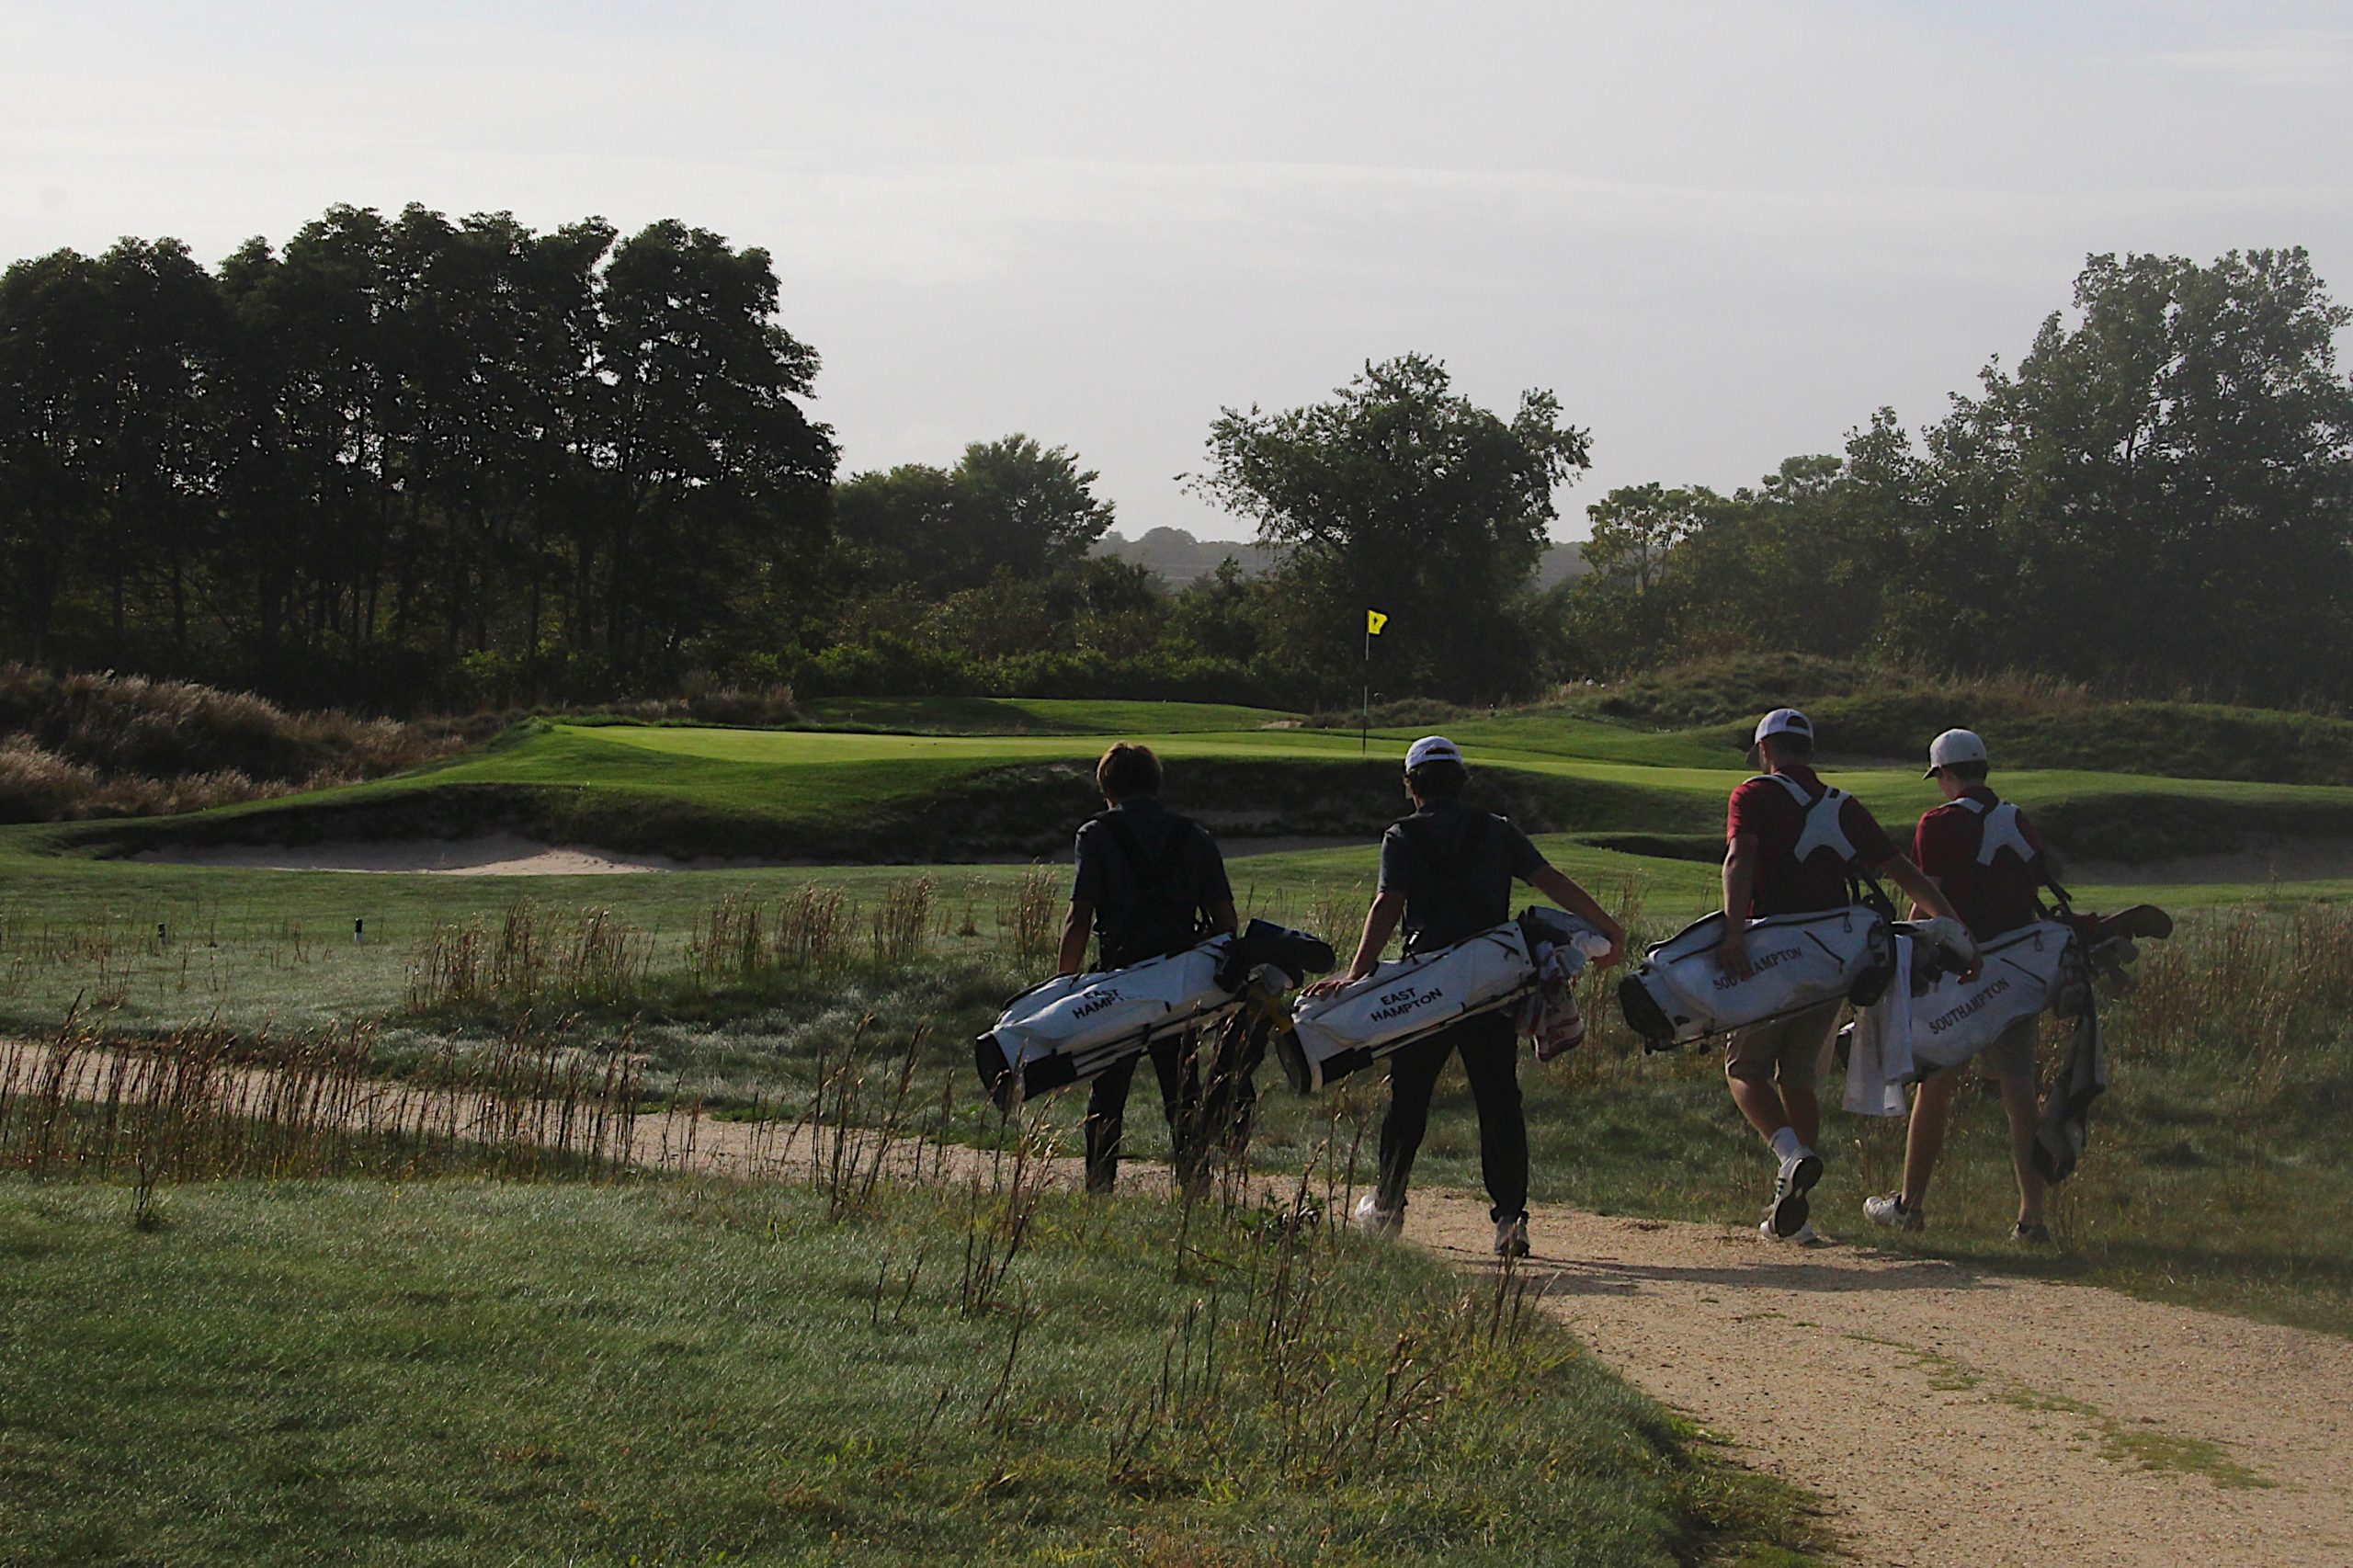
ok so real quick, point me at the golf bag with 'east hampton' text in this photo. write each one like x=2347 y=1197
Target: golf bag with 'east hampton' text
x=1410 y=999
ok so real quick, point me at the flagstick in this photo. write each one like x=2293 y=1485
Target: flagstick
x=1364 y=724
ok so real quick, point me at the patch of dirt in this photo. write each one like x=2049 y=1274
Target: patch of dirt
x=1957 y=1417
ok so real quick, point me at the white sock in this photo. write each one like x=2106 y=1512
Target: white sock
x=1785 y=1145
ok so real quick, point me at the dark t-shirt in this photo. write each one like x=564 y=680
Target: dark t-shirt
x=1440 y=909
x=1784 y=884
x=1991 y=898
x=1131 y=923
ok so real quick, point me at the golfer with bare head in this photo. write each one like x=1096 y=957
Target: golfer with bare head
x=1148 y=883
x=1792 y=843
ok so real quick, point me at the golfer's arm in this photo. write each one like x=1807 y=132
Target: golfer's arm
x=1224 y=921
x=1076 y=925
x=1740 y=878
x=1556 y=885
x=1925 y=894
x=1380 y=924
x=1918 y=909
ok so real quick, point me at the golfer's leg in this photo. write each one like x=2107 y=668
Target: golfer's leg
x=1805 y=1043
x=1413 y=1076
x=1106 y=1106
x=1924 y=1139
x=2021 y=1105
x=1749 y=1068
x=1236 y=1089
x=1490 y=1051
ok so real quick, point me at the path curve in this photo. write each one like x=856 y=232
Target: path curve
x=1953 y=1418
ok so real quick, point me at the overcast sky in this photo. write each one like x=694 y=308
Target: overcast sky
x=1722 y=234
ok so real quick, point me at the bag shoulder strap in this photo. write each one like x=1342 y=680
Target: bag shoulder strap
x=1155 y=873
x=1447 y=860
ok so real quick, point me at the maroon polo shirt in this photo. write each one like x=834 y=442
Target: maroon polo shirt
x=1993 y=897
x=1784 y=884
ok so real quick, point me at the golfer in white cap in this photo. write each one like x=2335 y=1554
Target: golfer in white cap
x=1986 y=858
x=1446 y=874
x=1790 y=850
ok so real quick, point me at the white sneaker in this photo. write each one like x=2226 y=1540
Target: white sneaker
x=1374 y=1221
x=1806 y=1235
x=1890 y=1212
x=1511 y=1237
x=1791 y=1205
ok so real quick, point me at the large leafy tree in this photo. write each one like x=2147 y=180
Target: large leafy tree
x=340 y=465
x=1399 y=494
x=2162 y=487
x=1011 y=506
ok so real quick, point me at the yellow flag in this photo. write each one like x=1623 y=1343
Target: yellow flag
x=1373 y=622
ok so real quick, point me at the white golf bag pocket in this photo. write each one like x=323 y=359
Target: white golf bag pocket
x=1408 y=1000
x=1072 y=1027
x=1683 y=993
x=1955 y=1018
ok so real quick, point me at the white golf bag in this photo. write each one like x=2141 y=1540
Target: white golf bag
x=1071 y=1028
x=1954 y=1019
x=1682 y=992
x=1404 y=1000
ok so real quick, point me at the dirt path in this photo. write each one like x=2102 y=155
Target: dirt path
x=1949 y=1417
x=1952 y=1418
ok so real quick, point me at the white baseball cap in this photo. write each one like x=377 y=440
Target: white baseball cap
x=1954 y=745
x=1432 y=748
x=1784 y=722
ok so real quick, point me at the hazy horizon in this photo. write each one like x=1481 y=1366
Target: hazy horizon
x=1722 y=234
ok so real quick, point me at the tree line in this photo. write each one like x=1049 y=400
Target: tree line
x=334 y=469
x=2159 y=496
x=411 y=461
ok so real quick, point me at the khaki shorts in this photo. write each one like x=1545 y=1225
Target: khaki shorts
x=1791 y=1051
x=2011 y=1056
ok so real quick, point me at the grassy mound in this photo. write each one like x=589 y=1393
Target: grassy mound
x=87 y=745
x=673 y=1372
x=1878 y=711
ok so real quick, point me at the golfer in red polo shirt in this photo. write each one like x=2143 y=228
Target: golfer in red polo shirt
x=1784 y=856
x=1987 y=860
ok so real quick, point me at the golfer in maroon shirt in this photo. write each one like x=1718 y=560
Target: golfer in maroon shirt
x=1987 y=860
x=1786 y=857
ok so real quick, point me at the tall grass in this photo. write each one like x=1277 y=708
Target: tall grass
x=103 y=744
x=533 y=957
x=204 y=1104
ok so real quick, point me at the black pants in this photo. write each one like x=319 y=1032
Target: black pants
x=1206 y=1096
x=1490 y=1051
x=1107 y=1106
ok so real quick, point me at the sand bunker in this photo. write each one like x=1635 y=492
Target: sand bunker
x=489 y=855
x=2273 y=861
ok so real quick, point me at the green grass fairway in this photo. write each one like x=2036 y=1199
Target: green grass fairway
x=462 y=1373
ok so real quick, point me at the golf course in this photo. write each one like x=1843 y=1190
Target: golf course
x=775 y=929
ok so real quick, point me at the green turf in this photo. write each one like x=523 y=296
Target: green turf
x=460 y=1373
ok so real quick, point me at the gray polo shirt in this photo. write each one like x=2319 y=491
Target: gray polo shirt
x=1442 y=909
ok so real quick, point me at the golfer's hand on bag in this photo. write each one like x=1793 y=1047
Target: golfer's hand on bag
x=1328 y=985
x=1732 y=952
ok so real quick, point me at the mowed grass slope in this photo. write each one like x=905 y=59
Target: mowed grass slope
x=460 y=1372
